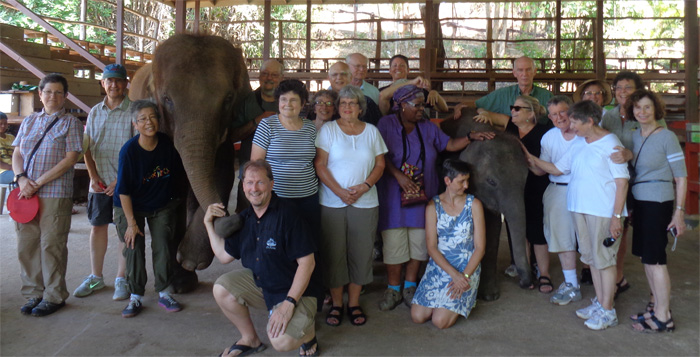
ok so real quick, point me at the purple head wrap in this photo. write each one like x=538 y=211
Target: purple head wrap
x=405 y=94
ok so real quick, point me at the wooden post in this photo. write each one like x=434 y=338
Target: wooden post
x=196 y=17
x=378 y=50
x=143 y=32
x=599 y=53
x=180 y=17
x=266 y=25
x=489 y=54
x=308 y=38
x=692 y=52
x=119 y=40
x=280 y=26
x=427 y=59
x=83 y=18
x=557 y=47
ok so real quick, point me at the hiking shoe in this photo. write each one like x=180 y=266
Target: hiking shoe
x=512 y=271
x=90 y=284
x=121 y=291
x=586 y=277
x=566 y=294
x=132 y=309
x=30 y=305
x=602 y=319
x=408 y=295
x=169 y=303
x=392 y=298
x=588 y=312
x=47 y=308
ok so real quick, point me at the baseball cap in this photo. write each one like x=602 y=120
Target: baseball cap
x=114 y=71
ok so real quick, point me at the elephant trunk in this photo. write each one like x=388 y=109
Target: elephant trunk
x=516 y=226
x=197 y=145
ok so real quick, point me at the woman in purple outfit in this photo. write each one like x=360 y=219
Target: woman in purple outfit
x=414 y=143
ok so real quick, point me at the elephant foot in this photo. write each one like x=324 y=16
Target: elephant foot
x=194 y=263
x=227 y=226
x=184 y=281
x=526 y=279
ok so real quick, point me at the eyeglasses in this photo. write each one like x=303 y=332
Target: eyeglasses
x=348 y=104
x=147 y=119
x=328 y=104
x=625 y=88
x=517 y=108
x=339 y=74
x=49 y=93
x=588 y=92
x=270 y=74
x=416 y=105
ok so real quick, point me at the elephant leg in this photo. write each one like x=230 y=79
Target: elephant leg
x=183 y=281
x=195 y=251
x=488 y=286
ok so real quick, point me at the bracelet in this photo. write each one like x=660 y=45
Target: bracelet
x=680 y=208
x=292 y=300
x=368 y=185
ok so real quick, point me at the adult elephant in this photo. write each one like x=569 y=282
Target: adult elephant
x=498 y=180
x=198 y=81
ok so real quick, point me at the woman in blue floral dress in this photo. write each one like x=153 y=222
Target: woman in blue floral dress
x=455 y=236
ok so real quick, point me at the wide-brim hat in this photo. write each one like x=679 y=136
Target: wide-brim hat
x=607 y=95
x=22 y=210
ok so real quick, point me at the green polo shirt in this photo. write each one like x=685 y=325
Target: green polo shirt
x=500 y=100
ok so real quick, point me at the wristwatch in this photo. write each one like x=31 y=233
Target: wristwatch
x=618 y=216
x=292 y=300
x=18 y=176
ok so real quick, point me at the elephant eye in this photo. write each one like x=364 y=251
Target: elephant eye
x=491 y=181
x=167 y=103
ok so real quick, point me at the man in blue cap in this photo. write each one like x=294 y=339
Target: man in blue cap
x=108 y=128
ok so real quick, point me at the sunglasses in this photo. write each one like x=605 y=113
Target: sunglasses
x=517 y=108
x=421 y=105
x=328 y=104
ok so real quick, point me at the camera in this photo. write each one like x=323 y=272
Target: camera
x=608 y=242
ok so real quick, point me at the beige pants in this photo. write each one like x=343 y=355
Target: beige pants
x=42 y=250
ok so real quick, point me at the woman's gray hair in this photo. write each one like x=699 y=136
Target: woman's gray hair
x=138 y=105
x=353 y=92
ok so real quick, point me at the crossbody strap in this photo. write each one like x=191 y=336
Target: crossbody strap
x=36 y=147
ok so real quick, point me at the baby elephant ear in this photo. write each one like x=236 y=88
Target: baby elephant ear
x=227 y=226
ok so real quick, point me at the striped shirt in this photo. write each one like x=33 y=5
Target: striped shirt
x=108 y=130
x=65 y=136
x=291 y=154
x=659 y=161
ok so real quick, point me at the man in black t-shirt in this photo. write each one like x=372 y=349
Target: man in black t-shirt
x=276 y=249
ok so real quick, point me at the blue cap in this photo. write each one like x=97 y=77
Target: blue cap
x=114 y=71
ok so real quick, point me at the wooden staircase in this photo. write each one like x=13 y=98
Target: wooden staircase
x=79 y=72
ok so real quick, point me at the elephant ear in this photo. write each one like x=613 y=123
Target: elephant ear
x=241 y=79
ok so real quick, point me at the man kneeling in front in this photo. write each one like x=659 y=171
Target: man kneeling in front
x=276 y=249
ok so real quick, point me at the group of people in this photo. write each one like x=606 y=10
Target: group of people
x=322 y=181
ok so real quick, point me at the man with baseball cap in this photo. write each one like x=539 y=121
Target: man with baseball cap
x=108 y=128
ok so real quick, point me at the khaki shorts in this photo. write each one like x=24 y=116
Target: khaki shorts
x=403 y=244
x=558 y=226
x=242 y=287
x=591 y=231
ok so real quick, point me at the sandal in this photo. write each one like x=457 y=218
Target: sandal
x=622 y=286
x=545 y=281
x=661 y=326
x=305 y=347
x=355 y=317
x=640 y=317
x=245 y=350
x=338 y=317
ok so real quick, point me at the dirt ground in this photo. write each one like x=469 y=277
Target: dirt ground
x=521 y=322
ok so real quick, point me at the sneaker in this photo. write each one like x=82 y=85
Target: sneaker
x=512 y=271
x=121 y=291
x=408 y=295
x=566 y=294
x=169 y=303
x=602 y=320
x=46 y=308
x=588 y=312
x=132 y=309
x=392 y=298
x=586 y=277
x=90 y=284
x=30 y=305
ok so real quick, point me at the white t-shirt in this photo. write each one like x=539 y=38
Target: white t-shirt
x=592 y=186
x=350 y=161
x=554 y=149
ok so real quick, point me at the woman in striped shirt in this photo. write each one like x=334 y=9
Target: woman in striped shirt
x=287 y=142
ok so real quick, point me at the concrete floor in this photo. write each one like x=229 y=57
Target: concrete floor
x=521 y=322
